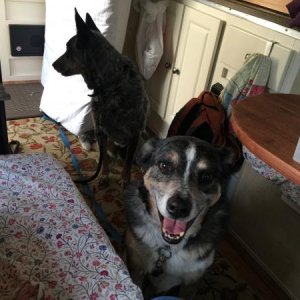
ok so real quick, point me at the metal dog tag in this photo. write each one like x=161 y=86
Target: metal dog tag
x=164 y=254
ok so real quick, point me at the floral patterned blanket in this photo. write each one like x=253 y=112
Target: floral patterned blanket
x=51 y=245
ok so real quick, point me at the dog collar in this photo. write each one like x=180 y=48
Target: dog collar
x=164 y=253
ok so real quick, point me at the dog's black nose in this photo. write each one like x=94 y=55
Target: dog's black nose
x=178 y=207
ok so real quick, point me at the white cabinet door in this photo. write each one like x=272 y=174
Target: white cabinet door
x=196 y=51
x=159 y=84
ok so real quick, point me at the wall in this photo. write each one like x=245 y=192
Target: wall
x=268 y=228
x=19 y=12
x=132 y=26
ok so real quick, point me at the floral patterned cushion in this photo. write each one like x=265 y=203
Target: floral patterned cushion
x=51 y=245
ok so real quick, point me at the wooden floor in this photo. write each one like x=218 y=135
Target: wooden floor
x=250 y=270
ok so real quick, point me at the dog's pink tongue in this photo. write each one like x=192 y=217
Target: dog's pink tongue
x=174 y=226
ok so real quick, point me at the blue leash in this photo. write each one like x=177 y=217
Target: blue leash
x=115 y=235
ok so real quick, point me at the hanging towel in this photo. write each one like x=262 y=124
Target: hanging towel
x=251 y=79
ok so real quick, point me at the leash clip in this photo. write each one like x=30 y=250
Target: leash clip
x=164 y=254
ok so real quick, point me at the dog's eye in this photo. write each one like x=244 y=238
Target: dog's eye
x=166 y=167
x=205 y=178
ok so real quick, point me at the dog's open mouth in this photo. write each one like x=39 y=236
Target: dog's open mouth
x=173 y=230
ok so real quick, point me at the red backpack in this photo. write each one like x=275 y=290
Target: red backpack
x=204 y=117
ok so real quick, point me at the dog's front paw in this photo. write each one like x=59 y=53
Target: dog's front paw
x=87 y=140
x=87 y=146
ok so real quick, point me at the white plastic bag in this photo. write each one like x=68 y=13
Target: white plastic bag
x=149 y=40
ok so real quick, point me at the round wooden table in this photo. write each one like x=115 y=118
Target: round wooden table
x=269 y=126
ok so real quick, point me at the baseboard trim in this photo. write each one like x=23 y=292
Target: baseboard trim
x=21 y=82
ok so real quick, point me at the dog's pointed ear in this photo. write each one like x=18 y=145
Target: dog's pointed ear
x=83 y=31
x=90 y=23
x=228 y=158
x=144 y=156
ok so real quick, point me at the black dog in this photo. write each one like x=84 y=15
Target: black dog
x=119 y=100
x=177 y=214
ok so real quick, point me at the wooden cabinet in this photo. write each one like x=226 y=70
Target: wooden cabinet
x=195 y=55
x=205 y=45
x=159 y=85
x=190 y=46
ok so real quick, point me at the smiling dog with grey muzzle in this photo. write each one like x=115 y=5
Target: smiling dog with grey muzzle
x=177 y=213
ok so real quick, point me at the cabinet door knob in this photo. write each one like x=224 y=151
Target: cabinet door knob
x=175 y=71
x=168 y=65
